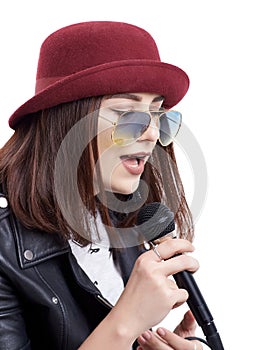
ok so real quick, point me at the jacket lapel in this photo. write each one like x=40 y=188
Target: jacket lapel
x=35 y=246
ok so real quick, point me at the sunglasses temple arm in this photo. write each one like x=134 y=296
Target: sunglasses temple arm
x=108 y=120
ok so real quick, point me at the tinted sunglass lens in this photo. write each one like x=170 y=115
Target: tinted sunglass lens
x=130 y=126
x=170 y=122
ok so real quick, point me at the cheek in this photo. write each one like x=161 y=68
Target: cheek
x=104 y=140
x=107 y=156
x=114 y=177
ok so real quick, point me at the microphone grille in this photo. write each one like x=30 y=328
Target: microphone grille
x=155 y=220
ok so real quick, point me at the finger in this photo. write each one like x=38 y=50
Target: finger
x=181 y=297
x=170 y=235
x=177 y=342
x=149 y=341
x=171 y=247
x=187 y=326
x=177 y=264
x=189 y=323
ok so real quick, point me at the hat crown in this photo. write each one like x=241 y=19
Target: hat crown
x=81 y=46
x=100 y=58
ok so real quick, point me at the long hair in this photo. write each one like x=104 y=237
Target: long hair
x=28 y=163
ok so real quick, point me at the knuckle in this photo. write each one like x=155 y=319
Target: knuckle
x=169 y=294
x=145 y=266
x=184 y=294
x=186 y=262
x=141 y=261
x=181 y=296
x=159 y=285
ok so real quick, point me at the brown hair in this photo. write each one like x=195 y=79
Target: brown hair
x=28 y=159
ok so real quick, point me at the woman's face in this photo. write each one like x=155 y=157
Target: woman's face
x=122 y=166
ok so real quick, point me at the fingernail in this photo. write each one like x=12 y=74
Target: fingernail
x=147 y=335
x=161 y=332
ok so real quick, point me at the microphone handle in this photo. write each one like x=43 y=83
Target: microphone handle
x=199 y=308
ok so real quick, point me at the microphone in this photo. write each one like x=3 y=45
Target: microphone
x=155 y=220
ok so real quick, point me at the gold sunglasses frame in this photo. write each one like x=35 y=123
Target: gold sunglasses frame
x=159 y=114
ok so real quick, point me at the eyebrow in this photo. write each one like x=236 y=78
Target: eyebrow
x=133 y=97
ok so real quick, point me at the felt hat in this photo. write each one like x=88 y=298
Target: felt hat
x=100 y=58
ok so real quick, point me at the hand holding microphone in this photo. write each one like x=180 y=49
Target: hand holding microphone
x=149 y=283
x=155 y=220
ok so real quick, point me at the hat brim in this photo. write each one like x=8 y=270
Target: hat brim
x=115 y=77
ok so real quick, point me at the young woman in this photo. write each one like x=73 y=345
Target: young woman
x=90 y=149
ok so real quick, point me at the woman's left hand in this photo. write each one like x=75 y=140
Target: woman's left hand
x=164 y=339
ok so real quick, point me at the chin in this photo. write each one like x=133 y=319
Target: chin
x=127 y=187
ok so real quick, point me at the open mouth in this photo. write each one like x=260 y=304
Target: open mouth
x=134 y=163
x=133 y=160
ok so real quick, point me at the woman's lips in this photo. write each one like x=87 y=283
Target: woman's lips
x=134 y=163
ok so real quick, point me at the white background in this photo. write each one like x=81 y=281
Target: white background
x=219 y=44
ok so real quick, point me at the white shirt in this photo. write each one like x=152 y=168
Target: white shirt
x=97 y=262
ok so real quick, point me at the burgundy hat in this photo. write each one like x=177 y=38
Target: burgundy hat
x=100 y=58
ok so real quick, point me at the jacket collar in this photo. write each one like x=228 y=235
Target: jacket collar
x=35 y=246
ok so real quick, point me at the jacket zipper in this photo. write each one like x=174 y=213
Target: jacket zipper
x=104 y=301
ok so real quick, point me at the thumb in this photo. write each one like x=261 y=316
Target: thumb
x=187 y=326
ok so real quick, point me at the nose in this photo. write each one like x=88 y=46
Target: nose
x=152 y=133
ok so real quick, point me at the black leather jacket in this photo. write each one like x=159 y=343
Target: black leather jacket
x=46 y=300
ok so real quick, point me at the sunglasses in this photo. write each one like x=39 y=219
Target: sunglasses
x=131 y=125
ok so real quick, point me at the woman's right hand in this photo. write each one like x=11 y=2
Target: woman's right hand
x=148 y=297
x=151 y=293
